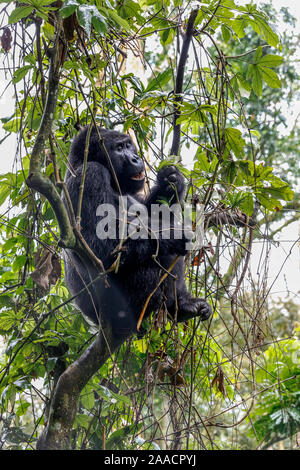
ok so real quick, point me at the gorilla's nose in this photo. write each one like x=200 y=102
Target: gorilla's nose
x=133 y=159
x=135 y=162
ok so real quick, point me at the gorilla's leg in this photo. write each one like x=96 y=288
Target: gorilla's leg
x=99 y=301
x=117 y=309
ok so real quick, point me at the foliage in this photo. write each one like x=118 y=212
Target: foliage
x=188 y=377
x=277 y=414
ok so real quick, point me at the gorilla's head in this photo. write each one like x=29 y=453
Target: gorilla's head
x=118 y=151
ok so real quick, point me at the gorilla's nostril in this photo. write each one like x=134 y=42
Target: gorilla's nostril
x=172 y=178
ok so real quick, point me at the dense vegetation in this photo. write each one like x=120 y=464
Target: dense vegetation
x=232 y=384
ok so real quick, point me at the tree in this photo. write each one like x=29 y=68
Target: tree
x=69 y=70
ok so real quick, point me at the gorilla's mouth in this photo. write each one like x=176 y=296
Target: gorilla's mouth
x=139 y=177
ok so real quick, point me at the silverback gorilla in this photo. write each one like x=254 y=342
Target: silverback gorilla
x=143 y=261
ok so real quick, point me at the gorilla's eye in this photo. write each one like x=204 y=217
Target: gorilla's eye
x=119 y=147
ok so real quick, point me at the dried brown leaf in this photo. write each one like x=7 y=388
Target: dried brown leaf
x=48 y=269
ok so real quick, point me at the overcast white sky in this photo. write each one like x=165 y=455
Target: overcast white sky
x=284 y=272
x=287 y=277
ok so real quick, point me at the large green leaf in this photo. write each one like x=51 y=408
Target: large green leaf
x=269 y=76
x=19 y=13
x=256 y=80
x=262 y=28
x=116 y=19
x=99 y=23
x=270 y=60
x=68 y=8
x=235 y=141
x=20 y=73
x=5 y=189
x=238 y=26
x=247 y=204
x=159 y=81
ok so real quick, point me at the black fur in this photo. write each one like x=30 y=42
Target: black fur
x=122 y=302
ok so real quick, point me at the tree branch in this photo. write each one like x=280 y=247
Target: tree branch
x=63 y=409
x=179 y=81
x=36 y=180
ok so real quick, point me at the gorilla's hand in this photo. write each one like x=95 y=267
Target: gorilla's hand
x=171 y=181
x=179 y=242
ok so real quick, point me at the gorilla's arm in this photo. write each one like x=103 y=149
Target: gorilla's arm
x=98 y=190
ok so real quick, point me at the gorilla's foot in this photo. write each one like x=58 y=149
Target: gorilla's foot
x=192 y=308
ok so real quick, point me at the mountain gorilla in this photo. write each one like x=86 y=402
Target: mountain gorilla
x=142 y=260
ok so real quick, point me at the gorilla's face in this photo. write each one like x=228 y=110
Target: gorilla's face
x=122 y=153
x=128 y=166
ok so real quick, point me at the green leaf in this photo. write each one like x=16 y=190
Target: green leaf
x=235 y=141
x=142 y=345
x=20 y=73
x=257 y=54
x=99 y=23
x=19 y=13
x=247 y=204
x=124 y=399
x=238 y=27
x=116 y=438
x=19 y=262
x=82 y=421
x=284 y=193
x=68 y=8
x=231 y=171
x=129 y=9
x=269 y=76
x=48 y=31
x=256 y=81
x=245 y=87
x=7 y=320
x=4 y=191
x=167 y=36
x=209 y=108
x=88 y=400
x=159 y=81
x=199 y=17
x=39 y=3
x=155 y=341
x=24 y=405
x=6 y=301
x=118 y=20
x=262 y=28
x=270 y=60
x=250 y=72
x=267 y=201
x=89 y=15
x=256 y=133
x=225 y=33
x=203 y=163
